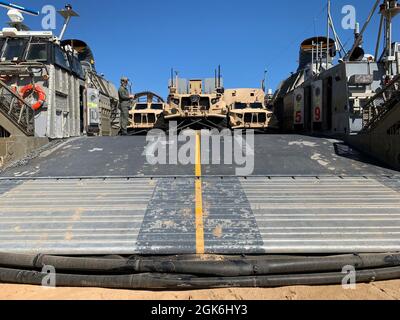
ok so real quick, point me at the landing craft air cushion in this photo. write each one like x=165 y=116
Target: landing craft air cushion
x=341 y=100
x=306 y=195
x=49 y=86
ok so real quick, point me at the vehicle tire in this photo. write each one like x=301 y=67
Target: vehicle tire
x=161 y=123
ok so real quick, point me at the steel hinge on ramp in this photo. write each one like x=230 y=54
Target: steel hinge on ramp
x=160 y=215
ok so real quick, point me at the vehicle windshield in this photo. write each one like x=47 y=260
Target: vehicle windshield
x=256 y=105
x=156 y=106
x=141 y=106
x=203 y=102
x=15 y=48
x=240 y=106
x=37 y=52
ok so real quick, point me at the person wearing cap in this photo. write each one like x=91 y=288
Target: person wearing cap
x=124 y=104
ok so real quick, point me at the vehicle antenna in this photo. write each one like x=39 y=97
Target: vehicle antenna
x=15 y=14
x=67 y=14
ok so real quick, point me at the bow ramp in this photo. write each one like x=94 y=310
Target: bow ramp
x=99 y=196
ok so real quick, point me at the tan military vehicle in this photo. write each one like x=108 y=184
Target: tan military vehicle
x=247 y=109
x=146 y=109
x=196 y=101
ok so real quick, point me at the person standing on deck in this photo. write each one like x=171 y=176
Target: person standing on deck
x=125 y=99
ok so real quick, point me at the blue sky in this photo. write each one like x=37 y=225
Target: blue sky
x=144 y=39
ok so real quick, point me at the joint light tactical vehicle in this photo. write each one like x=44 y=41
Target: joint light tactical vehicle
x=196 y=102
x=247 y=109
x=146 y=110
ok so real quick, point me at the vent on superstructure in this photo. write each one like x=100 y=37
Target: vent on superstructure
x=394 y=130
x=4 y=133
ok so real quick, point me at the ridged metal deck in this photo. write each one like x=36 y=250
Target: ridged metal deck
x=241 y=216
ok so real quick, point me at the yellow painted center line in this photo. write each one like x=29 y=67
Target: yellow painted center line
x=199 y=199
x=198 y=155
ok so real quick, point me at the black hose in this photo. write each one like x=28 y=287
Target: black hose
x=268 y=266
x=220 y=266
x=186 y=282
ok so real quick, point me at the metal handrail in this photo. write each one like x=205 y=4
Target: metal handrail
x=17 y=118
x=390 y=96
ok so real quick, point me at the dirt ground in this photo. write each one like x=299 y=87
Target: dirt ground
x=389 y=290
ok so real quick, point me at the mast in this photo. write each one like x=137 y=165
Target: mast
x=264 y=81
x=360 y=36
x=378 y=42
x=328 y=34
x=389 y=9
x=338 y=43
x=177 y=81
x=219 y=76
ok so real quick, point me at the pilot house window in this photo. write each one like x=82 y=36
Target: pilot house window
x=77 y=67
x=14 y=50
x=61 y=58
x=37 y=52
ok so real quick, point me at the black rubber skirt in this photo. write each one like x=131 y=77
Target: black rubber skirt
x=197 y=272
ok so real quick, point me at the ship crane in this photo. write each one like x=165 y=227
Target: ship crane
x=389 y=9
